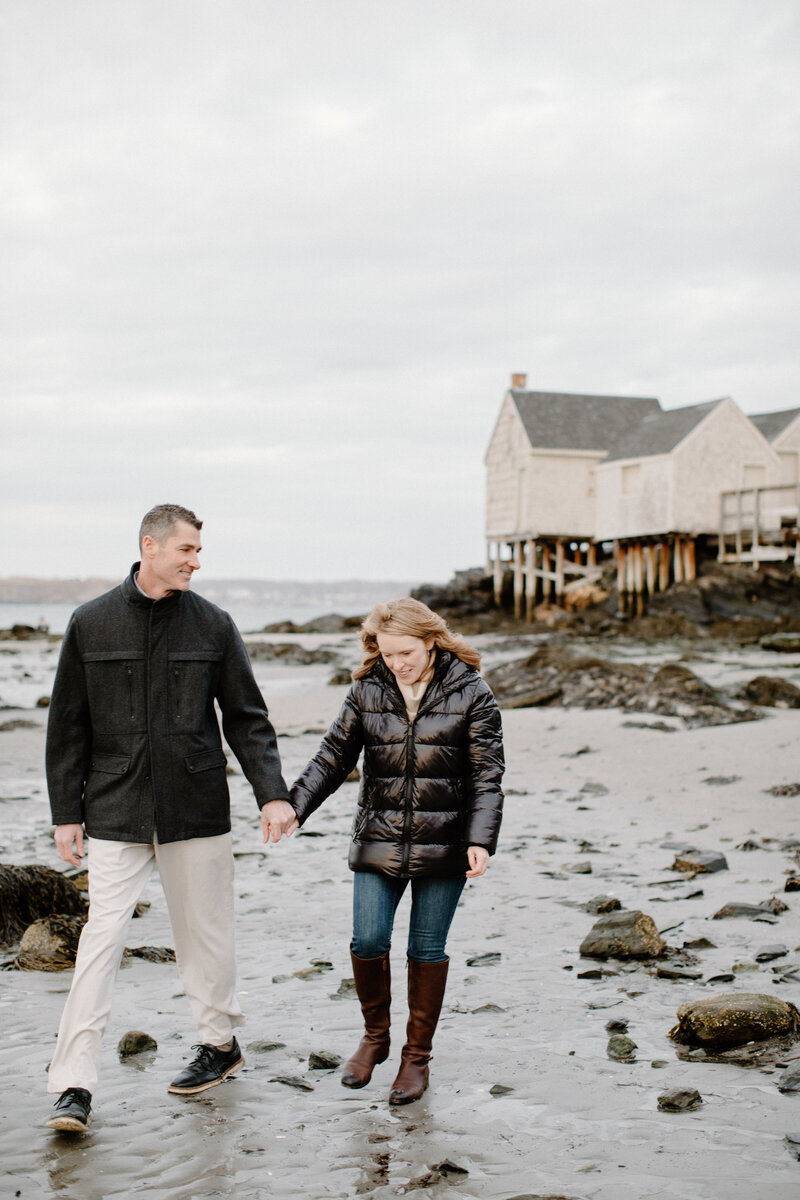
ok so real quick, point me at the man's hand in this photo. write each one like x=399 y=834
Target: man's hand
x=478 y=857
x=69 y=843
x=278 y=818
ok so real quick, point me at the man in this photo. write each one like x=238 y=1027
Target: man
x=134 y=756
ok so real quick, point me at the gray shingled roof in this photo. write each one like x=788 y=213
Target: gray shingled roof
x=773 y=424
x=658 y=433
x=563 y=421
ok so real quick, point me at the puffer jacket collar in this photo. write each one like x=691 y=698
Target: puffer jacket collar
x=448 y=676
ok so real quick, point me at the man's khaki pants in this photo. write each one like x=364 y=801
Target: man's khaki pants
x=197 y=878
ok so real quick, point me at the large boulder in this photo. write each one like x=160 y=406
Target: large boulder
x=627 y=933
x=29 y=893
x=733 y=1018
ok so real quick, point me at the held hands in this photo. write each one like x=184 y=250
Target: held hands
x=478 y=857
x=65 y=836
x=278 y=818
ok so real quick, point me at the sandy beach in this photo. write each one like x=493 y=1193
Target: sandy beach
x=582 y=787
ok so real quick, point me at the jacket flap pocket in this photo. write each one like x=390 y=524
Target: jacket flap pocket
x=112 y=656
x=111 y=764
x=195 y=656
x=205 y=760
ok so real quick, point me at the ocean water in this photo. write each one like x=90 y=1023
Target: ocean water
x=249 y=618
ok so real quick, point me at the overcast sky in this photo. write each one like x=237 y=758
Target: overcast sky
x=276 y=259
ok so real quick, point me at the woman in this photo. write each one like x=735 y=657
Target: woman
x=429 y=812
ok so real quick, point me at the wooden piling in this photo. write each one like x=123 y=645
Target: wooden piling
x=519 y=578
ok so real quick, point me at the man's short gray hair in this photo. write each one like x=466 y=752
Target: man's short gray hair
x=159 y=523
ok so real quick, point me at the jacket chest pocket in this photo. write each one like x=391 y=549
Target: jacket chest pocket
x=192 y=684
x=115 y=687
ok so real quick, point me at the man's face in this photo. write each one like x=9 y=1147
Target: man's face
x=170 y=564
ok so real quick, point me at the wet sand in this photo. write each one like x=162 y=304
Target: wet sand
x=576 y=1124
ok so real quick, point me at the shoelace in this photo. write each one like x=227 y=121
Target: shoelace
x=69 y=1095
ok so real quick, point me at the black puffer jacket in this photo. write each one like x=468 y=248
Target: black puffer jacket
x=429 y=788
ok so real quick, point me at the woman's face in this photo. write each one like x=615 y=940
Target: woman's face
x=406 y=657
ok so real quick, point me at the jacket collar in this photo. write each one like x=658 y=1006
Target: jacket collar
x=448 y=674
x=135 y=596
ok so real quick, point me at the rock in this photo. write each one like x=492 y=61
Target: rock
x=784 y=789
x=680 y=1100
x=792 y=884
x=135 y=1042
x=324 y=1060
x=50 y=944
x=775 y=905
x=770 y=953
x=30 y=893
x=617 y=1025
x=678 y=974
x=627 y=933
x=500 y=1089
x=18 y=723
x=792 y=1141
x=701 y=861
x=485 y=960
x=771 y=692
x=316 y=968
x=293 y=1081
x=263 y=1047
x=340 y=678
x=621 y=1048
x=783 y=643
x=153 y=954
x=789 y=1081
x=752 y=912
x=579 y=868
x=43 y=702
x=733 y=1019
x=601 y=904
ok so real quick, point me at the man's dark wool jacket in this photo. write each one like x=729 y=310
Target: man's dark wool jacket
x=133 y=740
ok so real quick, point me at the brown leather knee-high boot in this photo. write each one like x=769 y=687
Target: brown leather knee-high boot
x=373 y=986
x=426 y=984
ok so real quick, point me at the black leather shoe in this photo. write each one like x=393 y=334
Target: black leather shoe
x=73 y=1108
x=208 y=1068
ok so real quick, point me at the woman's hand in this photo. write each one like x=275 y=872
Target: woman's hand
x=478 y=857
x=278 y=818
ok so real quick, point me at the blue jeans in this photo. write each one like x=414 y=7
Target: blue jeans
x=375 y=901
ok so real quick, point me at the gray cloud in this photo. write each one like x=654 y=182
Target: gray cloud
x=276 y=261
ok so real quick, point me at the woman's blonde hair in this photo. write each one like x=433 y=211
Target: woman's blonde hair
x=411 y=618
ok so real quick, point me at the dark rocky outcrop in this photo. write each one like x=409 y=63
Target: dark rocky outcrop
x=288 y=652
x=329 y=623
x=554 y=676
x=733 y=1019
x=50 y=944
x=30 y=893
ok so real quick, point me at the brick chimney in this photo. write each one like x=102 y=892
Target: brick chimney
x=519 y=382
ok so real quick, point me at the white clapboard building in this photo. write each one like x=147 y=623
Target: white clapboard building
x=571 y=478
